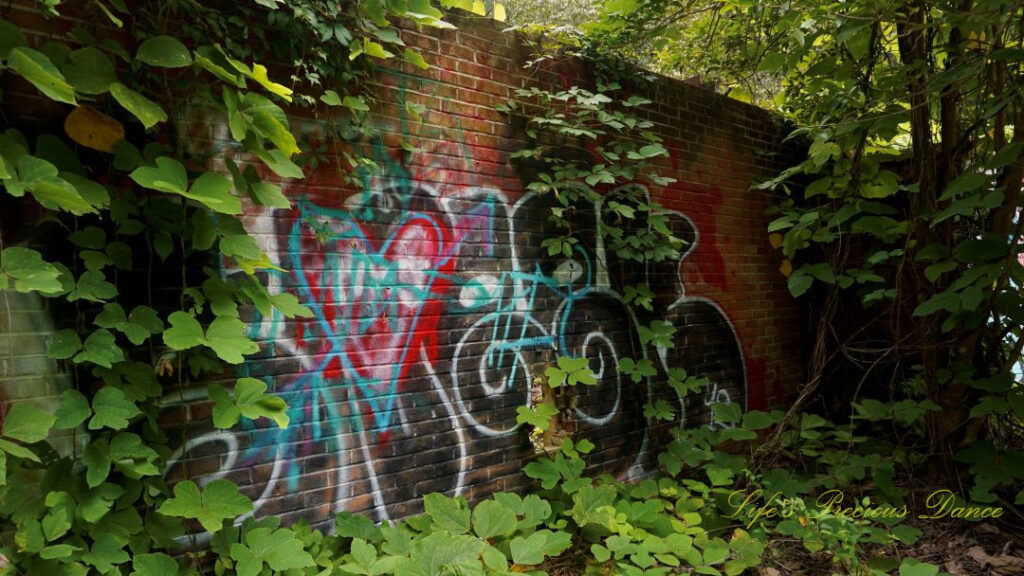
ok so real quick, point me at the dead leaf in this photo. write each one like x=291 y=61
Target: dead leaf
x=955 y=568
x=1005 y=564
x=93 y=129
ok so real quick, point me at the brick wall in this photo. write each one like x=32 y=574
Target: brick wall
x=436 y=306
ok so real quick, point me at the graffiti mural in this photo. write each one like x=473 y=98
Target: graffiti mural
x=435 y=307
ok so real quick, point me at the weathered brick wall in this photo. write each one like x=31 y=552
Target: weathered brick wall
x=435 y=305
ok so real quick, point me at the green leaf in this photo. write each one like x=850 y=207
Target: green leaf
x=28 y=270
x=11 y=36
x=758 y=420
x=492 y=519
x=65 y=344
x=798 y=283
x=220 y=500
x=279 y=163
x=111 y=409
x=74 y=409
x=96 y=458
x=226 y=336
x=165 y=52
x=356 y=103
x=168 y=176
x=269 y=195
x=538 y=416
x=18 y=451
x=948 y=300
x=214 y=190
x=535 y=510
x=139 y=325
x=1007 y=155
x=106 y=552
x=934 y=271
x=101 y=349
x=93 y=286
x=727 y=411
x=37 y=68
x=289 y=305
x=280 y=550
x=154 y=565
x=363 y=553
x=912 y=567
x=26 y=423
x=41 y=178
x=374 y=49
x=415 y=58
x=981 y=250
x=448 y=513
x=249 y=400
x=185 y=331
x=259 y=74
x=90 y=71
x=147 y=111
x=270 y=122
x=241 y=245
x=331 y=98
x=57 y=551
x=530 y=550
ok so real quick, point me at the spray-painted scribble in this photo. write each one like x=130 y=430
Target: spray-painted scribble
x=435 y=306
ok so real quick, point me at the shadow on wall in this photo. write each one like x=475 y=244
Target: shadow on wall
x=27 y=374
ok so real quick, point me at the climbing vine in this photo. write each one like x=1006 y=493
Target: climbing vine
x=140 y=209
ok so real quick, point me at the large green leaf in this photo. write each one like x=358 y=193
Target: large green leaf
x=52 y=191
x=226 y=336
x=11 y=36
x=37 y=68
x=269 y=121
x=28 y=270
x=100 y=348
x=492 y=519
x=220 y=500
x=154 y=565
x=106 y=552
x=26 y=423
x=280 y=550
x=167 y=176
x=92 y=285
x=451 y=514
x=90 y=71
x=73 y=410
x=185 y=331
x=269 y=195
x=148 y=112
x=529 y=550
x=111 y=409
x=249 y=399
x=214 y=191
x=96 y=458
x=165 y=52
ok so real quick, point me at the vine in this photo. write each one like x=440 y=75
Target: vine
x=140 y=209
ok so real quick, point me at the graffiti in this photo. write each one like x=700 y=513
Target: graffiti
x=435 y=307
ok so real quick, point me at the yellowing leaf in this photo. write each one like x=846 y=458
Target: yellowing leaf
x=259 y=74
x=93 y=129
x=786 y=268
x=499 y=12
